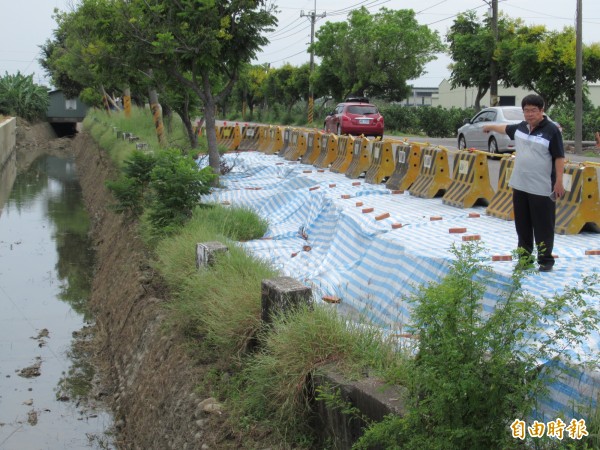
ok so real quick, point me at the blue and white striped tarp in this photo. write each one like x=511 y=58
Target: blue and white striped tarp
x=372 y=267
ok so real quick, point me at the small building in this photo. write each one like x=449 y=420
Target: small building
x=65 y=113
x=420 y=96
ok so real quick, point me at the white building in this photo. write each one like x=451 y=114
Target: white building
x=465 y=97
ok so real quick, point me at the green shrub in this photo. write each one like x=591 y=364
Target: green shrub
x=401 y=118
x=130 y=189
x=476 y=372
x=176 y=185
x=20 y=96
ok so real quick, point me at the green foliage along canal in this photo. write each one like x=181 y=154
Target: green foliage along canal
x=46 y=395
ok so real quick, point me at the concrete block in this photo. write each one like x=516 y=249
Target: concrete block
x=373 y=398
x=282 y=294
x=206 y=251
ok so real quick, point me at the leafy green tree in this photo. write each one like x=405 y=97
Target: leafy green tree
x=472 y=48
x=87 y=50
x=544 y=62
x=375 y=54
x=287 y=85
x=202 y=45
x=250 y=86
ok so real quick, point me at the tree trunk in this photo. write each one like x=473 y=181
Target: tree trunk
x=214 y=159
x=187 y=123
x=481 y=91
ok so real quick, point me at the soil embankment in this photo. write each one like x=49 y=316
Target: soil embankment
x=150 y=376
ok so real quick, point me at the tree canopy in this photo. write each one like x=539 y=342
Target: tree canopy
x=374 y=54
x=527 y=56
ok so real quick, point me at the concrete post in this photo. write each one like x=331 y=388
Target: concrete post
x=282 y=294
x=206 y=251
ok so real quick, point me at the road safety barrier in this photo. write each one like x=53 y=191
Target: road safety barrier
x=344 y=154
x=299 y=148
x=329 y=147
x=501 y=205
x=228 y=136
x=287 y=138
x=470 y=181
x=264 y=137
x=408 y=160
x=277 y=140
x=579 y=208
x=291 y=146
x=382 y=161
x=361 y=157
x=249 y=137
x=434 y=174
x=313 y=147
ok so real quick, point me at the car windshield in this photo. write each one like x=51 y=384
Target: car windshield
x=514 y=114
x=362 y=109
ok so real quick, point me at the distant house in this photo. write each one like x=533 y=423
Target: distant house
x=420 y=96
x=65 y=110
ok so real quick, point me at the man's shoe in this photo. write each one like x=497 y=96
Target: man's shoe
x=545 y=268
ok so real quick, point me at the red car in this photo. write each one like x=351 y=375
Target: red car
x=355 y=116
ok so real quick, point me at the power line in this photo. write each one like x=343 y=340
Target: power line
x=286 y=36
x=349 y=9
x=283 y=59
x=281 y=30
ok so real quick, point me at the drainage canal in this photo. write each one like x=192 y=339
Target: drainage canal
x=48 y=398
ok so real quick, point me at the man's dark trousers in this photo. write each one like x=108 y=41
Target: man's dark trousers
x=535 y=217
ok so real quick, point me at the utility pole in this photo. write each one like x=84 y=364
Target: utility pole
x=578 y=80
x=312 y=16
x=493 y=64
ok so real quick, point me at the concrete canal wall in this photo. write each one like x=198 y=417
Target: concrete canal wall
x=8 y=138
x=8 y=167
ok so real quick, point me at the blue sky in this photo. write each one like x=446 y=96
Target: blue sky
x=26 y=24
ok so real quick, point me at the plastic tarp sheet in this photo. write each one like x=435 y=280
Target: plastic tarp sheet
x=371 y=265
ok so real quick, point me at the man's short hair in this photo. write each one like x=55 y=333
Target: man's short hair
x=533 y=100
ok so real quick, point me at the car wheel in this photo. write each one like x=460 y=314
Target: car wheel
x=339 y=130
x=462 y=143
x=493 y=146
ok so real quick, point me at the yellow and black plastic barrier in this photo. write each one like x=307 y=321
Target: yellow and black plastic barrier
x=329 y=148
x=291 y=154
x=408 y=160
x=313 y=147
x=276 y=138
x=361 y=157
x=344 y=154
x=579 y=208
x=228 y=136
x=287 y=139
x=299 y=148
x=264 y=137
x=434 y=174
x=501 y=205
x=470 y=181
x=382 y=161
x=250 y=136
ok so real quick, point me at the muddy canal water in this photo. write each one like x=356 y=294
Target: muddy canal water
x=45 y=276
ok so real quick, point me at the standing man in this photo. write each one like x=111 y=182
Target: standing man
x=537 y=178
